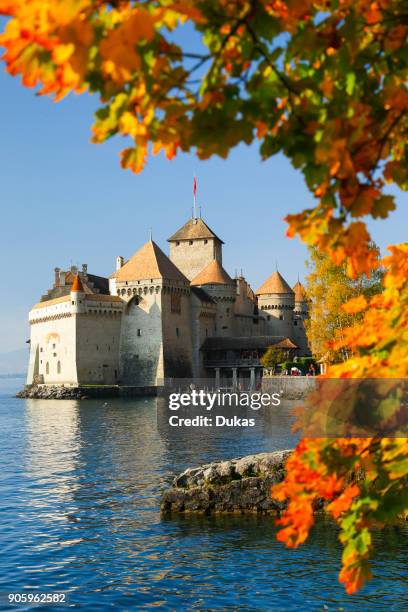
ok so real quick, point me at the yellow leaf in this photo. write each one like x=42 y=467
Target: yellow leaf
x=134 y=158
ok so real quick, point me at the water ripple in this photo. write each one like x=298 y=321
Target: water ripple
x=80 y=485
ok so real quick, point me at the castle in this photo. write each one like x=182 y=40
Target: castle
x=163 y=317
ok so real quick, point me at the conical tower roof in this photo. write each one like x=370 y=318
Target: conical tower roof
x=274 y=284
x=300 y=292
x=149 y=262
x=192 y=230
x=213 y=274
x=77 y=284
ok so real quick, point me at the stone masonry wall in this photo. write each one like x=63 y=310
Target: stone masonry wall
x=52 y=342
x=141 y=341
x=192 y=258
x=97 y=337
x=177 y=333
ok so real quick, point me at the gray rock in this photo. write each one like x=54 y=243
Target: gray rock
x=52 y=392
x=240 y=485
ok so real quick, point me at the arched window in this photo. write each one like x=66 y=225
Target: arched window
x=47 y=368
x=58 y=367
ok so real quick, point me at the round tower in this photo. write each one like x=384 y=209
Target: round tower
x=277 y=301
x=220 y=286
x=301 y=301
x=301 y=313
x=77 y=296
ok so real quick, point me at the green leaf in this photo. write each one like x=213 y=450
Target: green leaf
x=350 y=82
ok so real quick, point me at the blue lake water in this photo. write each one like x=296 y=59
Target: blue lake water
x=79 y=506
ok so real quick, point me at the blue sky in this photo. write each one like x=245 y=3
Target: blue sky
x=64 y=200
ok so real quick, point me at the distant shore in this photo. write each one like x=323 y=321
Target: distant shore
x=15 y=375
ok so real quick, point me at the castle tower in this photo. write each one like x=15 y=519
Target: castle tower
x=301 y=301
x=77 y=295
x=155 y=340
x=222 y=289
x=277 y=301
x=301 y=313
x=194 y=246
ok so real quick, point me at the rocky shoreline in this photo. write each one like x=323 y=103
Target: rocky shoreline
x=49 y=392
x=58 y=392
x=236 y=486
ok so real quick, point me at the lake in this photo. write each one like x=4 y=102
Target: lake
x=80 y=493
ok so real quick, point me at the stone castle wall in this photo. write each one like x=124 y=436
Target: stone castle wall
x=224 y=296
x=192 y=256
x=278 y=310
x=177 y=352
x=203 y=325
x=141 y=339
x=97 y=339
x=53 y=345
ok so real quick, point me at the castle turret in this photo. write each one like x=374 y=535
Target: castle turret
x=213 y=274
x=301 y=300
x=194 y=246
x=277 y=300
x=77 y=295
x=276 y=295
x=301 y=313
x=219 y=285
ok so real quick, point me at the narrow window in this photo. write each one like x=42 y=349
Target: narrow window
x=177 y=243
x=139 y=332
x=59 y=367
x=175 y=303
x=205 y=241
x=177 y=332
x=47 y=368
x=190 y=242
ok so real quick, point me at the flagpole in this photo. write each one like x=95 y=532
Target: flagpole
x=194 y=198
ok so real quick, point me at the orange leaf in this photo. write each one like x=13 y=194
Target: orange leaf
x=355 y=305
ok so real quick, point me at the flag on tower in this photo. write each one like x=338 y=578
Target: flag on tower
x=194 y=199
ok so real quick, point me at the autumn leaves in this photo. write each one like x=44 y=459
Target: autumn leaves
x=322 y=82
